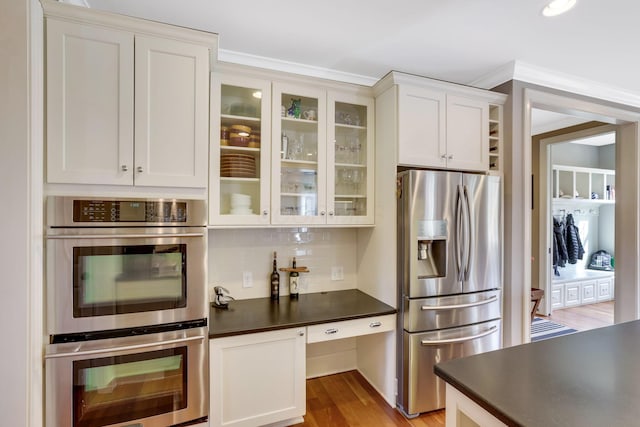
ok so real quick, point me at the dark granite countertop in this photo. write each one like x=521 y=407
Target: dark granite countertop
x=262 y=314
x=589 y=378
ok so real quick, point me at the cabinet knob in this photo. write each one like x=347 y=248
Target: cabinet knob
x=265 y=212
x=322 y=213
x=375 y=324
x=139 y=169
x=331 y=331
x=330 y=213
x=124 y=168
x=300 y=333
x=450 y=157
x=443 y=156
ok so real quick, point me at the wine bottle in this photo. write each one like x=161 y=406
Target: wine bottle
x=293 y=281
x=275 y=279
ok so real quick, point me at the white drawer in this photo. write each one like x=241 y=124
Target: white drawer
x=350 y=328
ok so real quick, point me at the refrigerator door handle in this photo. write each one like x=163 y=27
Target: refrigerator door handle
x=458 y=231
x=468 y=234
x=467 y=305
x=489 y=331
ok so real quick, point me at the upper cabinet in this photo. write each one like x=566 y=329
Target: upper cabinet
x=299 y=178
x=443 y=125
x=289 y=152
x=239 y=190
x=127 y=100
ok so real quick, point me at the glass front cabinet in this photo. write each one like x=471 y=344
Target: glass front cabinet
x=307 y=158
x=351 y=156
x=240 y=151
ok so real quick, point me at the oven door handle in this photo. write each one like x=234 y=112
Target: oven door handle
x=123 y=236
x=489 y=331
x=471 y=304
x=124 y=348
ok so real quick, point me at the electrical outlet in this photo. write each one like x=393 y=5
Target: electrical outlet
x=337 y=273
x=247 y=279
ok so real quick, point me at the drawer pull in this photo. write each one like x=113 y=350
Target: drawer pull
x=375 y=324
x=331 y=331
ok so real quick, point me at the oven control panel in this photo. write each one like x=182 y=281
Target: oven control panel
x=139 y=211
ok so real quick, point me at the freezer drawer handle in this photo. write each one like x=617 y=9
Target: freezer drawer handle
x=375 y=324
x=471 y=304
x=490 y=331
x=331 y=331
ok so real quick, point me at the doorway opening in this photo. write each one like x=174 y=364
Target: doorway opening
x=575 y=179
x=518 y=198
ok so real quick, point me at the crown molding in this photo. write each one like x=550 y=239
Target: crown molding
x=293 y=67
x=521 y=71
x=496 y=77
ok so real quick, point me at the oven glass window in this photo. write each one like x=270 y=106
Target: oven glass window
x=128 y=279
x=117 y=389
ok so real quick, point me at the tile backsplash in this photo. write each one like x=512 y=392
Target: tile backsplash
x=235 y=252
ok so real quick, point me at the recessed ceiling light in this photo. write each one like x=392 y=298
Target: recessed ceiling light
x=558 y=7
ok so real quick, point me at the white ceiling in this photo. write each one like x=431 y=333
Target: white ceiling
x=461 y=41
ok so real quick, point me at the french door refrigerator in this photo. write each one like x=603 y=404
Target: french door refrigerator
x=449 y=278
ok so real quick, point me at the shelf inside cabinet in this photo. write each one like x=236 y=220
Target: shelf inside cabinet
x=340 y=125
x=233 y=179
x=298 y=163
x=574 y=183
x=235 y=119
x=495 y=137
x=239 y=149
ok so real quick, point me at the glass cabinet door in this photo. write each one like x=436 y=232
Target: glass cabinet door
x=240 y=146
x=350 y=155
x=299 y=165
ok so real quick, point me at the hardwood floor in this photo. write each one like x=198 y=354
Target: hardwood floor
x=585 y=317
x=347 y=399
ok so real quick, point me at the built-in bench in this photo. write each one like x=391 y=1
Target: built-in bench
x=582 y=287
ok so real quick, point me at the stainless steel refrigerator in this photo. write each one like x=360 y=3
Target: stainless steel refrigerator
x=449 y=278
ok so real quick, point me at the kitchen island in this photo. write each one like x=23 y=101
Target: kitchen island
x=588 y=378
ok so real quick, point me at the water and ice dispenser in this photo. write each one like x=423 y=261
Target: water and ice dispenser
x=431 y=245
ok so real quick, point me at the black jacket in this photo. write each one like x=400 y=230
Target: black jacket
x=572 y=238
x=560 y=255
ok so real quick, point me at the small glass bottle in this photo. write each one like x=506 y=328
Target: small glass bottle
x=293 y=281
x=275 y=280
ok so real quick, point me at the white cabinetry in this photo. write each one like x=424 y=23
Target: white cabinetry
x=312 y=165
x=443 y=125
x=127 y=100
x=588 y=292
x=350 y=328
x=605 y=289
x=582 y=291
x=557 y=296
x=240 y=168
x=257 y=379
x=579 y=185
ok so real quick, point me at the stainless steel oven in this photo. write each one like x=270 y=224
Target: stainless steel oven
x=123 y=263
x=155 y=379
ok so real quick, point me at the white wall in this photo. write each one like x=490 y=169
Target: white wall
x=232 y=252
x=20 y=211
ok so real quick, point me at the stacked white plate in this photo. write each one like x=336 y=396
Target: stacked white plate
x=241 y=204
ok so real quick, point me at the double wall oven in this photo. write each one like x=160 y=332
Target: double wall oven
x=126 y=312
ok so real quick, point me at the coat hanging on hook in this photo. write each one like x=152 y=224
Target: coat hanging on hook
x=575 y=250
